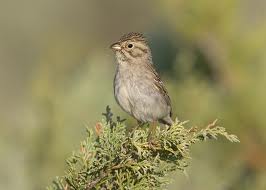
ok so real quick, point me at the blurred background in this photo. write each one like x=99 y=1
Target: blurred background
x=56 y=74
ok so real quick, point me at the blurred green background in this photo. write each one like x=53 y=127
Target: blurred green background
x=56 y=74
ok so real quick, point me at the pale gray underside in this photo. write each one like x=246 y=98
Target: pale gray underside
x=136 y=93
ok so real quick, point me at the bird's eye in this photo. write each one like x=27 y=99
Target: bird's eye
x=130 y=45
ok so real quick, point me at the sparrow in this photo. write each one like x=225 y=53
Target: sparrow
x=138 y=88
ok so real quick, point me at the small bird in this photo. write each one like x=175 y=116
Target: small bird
x=138 y=88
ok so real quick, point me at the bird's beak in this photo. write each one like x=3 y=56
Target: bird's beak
x=115 y=46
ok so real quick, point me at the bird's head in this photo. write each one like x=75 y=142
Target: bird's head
x=132 y=48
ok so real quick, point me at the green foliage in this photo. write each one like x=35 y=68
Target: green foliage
x=112 y=158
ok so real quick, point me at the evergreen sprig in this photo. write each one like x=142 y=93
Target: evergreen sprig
x=112 y=158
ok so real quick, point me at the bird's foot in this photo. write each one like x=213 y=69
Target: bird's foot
x=152 y=143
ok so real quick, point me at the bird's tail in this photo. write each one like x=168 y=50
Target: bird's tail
x=167 y=121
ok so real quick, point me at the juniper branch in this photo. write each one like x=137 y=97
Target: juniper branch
x=110 y=158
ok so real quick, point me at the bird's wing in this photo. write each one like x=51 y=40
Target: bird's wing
x=158 y=84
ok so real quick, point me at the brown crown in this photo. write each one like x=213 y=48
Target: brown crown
x=133 y=35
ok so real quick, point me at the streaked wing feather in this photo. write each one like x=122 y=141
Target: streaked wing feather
x=160 y=86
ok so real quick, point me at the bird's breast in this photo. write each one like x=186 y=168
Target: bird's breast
x=123 y=90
